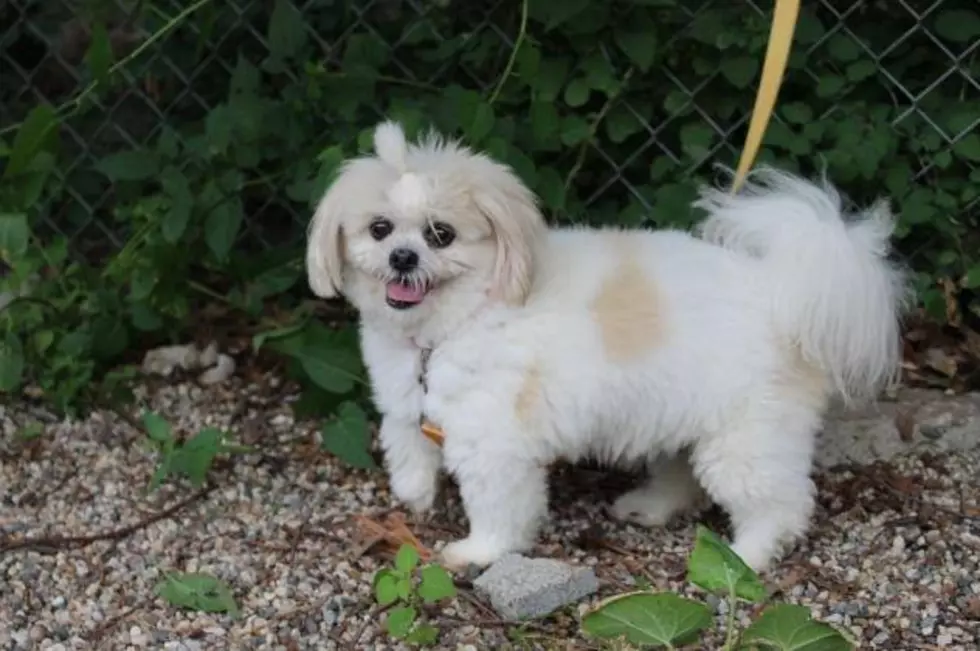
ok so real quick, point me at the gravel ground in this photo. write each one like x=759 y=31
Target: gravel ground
x=894 y=554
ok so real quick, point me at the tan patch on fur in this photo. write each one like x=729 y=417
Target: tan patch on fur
x=629 y=310
x=528 y=395
x=810 y=382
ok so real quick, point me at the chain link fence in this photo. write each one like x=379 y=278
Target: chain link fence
x=45 y=56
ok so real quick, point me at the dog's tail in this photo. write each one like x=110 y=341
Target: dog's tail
x=835 y=293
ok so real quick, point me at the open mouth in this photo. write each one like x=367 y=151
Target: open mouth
x=402 y=294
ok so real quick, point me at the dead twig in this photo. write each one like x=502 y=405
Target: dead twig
x=49 y=544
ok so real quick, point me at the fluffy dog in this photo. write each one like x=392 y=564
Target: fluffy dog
x=709 y=358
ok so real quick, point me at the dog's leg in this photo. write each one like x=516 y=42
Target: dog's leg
x=759 y=473
x=505 y=495
x=413 y=462
x=670 y=489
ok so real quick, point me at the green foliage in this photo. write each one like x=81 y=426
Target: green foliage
x=211 y=205
x=649 y=619
x=196 y=591
x=192 y=458
x=404 y=589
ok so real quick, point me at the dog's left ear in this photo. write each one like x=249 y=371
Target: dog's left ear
x=518 y=226
x=324 y=246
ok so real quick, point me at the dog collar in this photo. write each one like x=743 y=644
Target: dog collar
x=429 y=429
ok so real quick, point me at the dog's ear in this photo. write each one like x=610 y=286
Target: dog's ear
x=324 y=247
x=518 y=226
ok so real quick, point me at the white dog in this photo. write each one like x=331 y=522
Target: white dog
x=710 y=359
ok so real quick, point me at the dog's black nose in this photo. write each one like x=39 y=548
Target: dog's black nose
x=403 y=260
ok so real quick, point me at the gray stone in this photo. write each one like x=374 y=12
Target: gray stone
x=916 y=420
x=522 y=588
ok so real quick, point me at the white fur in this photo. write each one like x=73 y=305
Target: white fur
x=780 y=307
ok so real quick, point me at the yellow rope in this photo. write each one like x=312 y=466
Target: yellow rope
x=784 y=19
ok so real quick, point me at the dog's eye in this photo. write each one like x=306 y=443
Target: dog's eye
x=380 y=228
x=439 y=235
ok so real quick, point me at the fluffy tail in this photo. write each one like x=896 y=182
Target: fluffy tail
x=836 y=295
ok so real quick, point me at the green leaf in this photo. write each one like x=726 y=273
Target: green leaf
x=551 y=188
x=287 y=30
x=135 y=165
x=36 y=134
x=574 y=130
x=696 y=139
x=436 y=584
x=480 y=123
x=553 y=14
x=423 y=634
x=643 y=618
x=958 y=25
x=347 y=437
x=830 y=85
x=739 y=71
x=787 y=627
x=157 y=428
x=551 y=77
x=714 y=567
x=177 y=188
x=245 y=79
x=400 y=621
x=99 y=55
x=11 y=363
x=972 y=278
x=385 y=588
x=223 y=224
x=640 y=45
x=194 y=458
x=15 y=235
x=861 y=70
x=577 y=92
x=968 y=147
x=197 y=591
x=407 y=559
x=843 y=48
x=797 y=113
x=621 y=123
x=329 y=362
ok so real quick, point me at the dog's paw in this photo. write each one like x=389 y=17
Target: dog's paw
x=416 y=489
x=644 y=508
x=458 y=556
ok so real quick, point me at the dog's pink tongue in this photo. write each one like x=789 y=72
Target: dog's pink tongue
x=404 y=293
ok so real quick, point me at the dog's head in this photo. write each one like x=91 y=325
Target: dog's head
x=407 y=227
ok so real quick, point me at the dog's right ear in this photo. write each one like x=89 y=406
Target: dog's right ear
x=324 y=246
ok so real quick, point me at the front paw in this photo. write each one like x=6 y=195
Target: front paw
x=459 y=555
x=416 y=488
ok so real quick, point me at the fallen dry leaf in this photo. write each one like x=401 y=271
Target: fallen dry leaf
x=391 y=531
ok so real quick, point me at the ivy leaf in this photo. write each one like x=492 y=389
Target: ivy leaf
x=958 y=25
x=551 y=188
x=223 y=222
x=177 y=188
x=400 y=621
x=197 y=591
x=407 y=559
x=481 y=122
x=135 y=165
x=972 y=278
x=830 y=85
x=843 y=48
x=739 y=71
x=385 y=588
x=14 y=235
x=347 y=437
x=11 y=363
x=787 y=627
x=714 y=567
x=287 y=30
x=639 y=45
x=621 y=123
x=696 y=139
x=798 y=113
x=436 y=584
x=245 y=78
x=861 y=70
x=99 y=55
x=643 y=618
x=574 y=130
x=551 y=77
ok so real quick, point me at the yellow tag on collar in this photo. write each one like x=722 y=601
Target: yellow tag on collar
x=433 y=433
x=784 y=20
